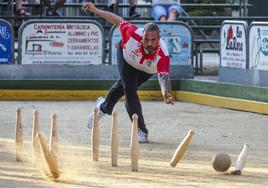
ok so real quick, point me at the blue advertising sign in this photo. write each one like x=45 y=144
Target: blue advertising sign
x=177 y=35
x=6 y=43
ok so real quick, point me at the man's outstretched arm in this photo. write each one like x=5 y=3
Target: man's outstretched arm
x=165 y=85
x=110 y=17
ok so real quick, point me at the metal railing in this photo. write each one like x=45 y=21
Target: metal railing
x=202 y=40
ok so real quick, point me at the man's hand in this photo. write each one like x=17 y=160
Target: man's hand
x=168 y=98
x=108 y=16
x=89 y=7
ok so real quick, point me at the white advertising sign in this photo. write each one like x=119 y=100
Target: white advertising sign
x=258 y=46
x=61 y=42
x=234 y=44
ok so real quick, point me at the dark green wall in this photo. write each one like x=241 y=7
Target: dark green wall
x=259 y=8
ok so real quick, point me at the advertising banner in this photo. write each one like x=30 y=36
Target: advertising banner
x=233 y=44
x=75 y=42
x=258 y=46
x=6 y=43
x=177 y=35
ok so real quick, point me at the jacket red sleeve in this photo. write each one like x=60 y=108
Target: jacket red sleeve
x=126 y=29
x=163 y=65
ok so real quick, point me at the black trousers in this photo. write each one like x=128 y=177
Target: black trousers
x=130 y=80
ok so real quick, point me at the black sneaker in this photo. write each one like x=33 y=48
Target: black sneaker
x=236 y=172
x=134 y=15
x=110 y=8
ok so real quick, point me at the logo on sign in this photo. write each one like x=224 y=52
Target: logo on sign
x=3 y=33
x=262 y=41
x=264 y=46
x=233 y=38
x=173 y=44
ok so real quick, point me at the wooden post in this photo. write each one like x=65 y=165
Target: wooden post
x=19 y=137
x=181 y=149
x=48 y=156
x=134 y=144
x=114 y=140
x=35 y=130
x=95 y=135
x=53 y=144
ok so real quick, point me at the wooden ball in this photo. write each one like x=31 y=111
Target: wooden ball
x=221 y=162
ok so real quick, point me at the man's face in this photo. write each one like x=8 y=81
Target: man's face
x=150 y=41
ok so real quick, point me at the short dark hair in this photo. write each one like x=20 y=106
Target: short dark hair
x=151 y=27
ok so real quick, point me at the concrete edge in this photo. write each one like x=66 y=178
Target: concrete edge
x=223 y=102
x=230 y=90
x=67 y=95
x=246 y=92
x=80 y=95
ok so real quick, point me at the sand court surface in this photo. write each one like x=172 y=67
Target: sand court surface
x=216 y=130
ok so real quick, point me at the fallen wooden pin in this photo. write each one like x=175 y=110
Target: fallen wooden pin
x=48 y=156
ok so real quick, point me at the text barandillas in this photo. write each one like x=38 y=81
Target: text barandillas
x=84 y=47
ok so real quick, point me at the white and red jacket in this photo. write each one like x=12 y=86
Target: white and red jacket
x=134 y=53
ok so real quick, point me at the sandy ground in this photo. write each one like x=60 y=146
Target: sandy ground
x=216 y=130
